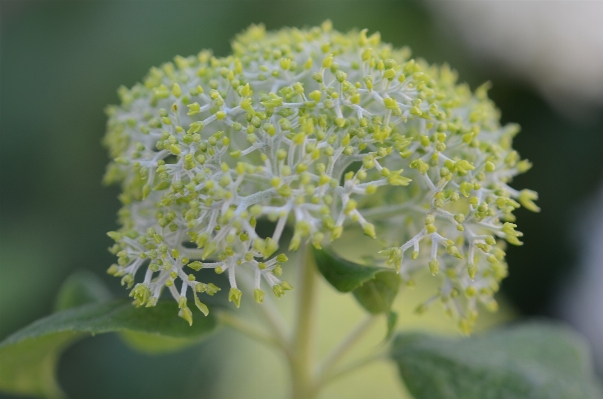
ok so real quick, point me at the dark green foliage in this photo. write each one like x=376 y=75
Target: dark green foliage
x=375 y=288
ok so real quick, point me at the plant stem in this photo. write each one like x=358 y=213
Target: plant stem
x=299 y=350
x=246 y=328
x=272 y=316
x=275 y=320
x=301 y=359
x=345 y=345
x=350 y=367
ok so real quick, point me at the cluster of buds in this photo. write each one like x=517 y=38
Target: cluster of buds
x=320 y=130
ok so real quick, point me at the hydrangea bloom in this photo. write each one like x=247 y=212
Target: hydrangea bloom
x=321 y=130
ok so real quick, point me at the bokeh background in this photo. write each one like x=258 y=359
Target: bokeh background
x=62 y=61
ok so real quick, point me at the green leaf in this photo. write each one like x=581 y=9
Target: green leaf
x=154 y=344
x=80 y=288
x=375 y=288
x=28 y=358
x=342 y=274
x=29 y=369
x=378 y=294
x=536 y=360
x=118 y=315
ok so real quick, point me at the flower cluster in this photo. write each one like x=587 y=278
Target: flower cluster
x=320 y=130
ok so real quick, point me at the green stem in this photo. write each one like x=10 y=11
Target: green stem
x=275 y=320
x=299 y=350
x=272 y=316
x=353 y=366
x=301 y=358
x=248 y=329
x=345 y=345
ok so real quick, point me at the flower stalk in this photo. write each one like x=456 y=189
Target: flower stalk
x=298 y=349
x=301 y=361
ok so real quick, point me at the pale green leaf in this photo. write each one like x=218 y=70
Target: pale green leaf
x=529 y=361
x=155 y=344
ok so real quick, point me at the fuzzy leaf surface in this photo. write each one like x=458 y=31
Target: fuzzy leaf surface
x=537 y=360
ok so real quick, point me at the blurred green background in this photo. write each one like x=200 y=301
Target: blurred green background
x=60 y=65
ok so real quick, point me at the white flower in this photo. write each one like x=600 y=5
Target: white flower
x=318 y=129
